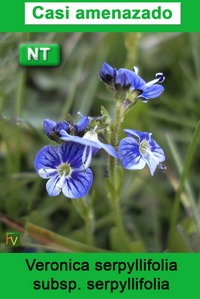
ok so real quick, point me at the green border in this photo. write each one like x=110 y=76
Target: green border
x=12 y=20
x=183 y=282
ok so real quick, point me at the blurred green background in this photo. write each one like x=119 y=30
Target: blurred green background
x=30 y=94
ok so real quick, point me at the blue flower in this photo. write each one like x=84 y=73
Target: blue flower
x=91 y=142
x=127 y=80
x=63 y=167
x=140 y=149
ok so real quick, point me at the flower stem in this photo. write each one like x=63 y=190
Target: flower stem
x=112 y=167
x=114 y=132
x=123 y=237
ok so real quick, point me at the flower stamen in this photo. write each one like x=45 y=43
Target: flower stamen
x=60 y=183
x=145 y=149
x=44 y=171
x=65 y=169
x=159 y=79
x=86 y=159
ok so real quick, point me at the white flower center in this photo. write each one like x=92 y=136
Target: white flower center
x=144 y=149
x=91 y=135
x=65 y=169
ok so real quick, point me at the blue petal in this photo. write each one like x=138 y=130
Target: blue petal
x=129 y=154
x=51 y=186
x=78 y=184
x=129 y=79
x=107 y=73
x=136 y=134
x=157 y=150
x=61 y=125
x=80 y=140
x=155 y=157
x=150 y=162
x=82 y=124
x=48 y=126
x=151 y=92
x=109 y=149
x=47 y=158
x=71 y=153
x=96 y=145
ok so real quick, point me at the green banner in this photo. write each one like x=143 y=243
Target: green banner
x=99 y=16
x=55 y=58
x=110 y=275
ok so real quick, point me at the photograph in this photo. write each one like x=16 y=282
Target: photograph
x=99 y=142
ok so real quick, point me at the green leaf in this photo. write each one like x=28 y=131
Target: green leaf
x=69 y=118
x=179 y=241
x=137 y=246
x=83 y=206
x=105 y=113
x=182 y=183
x=95 y=122
x=115 y=244
x=110 y=189
x=194 y=241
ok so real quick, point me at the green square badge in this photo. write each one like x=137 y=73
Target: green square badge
x=12 y=239
x=39 y=55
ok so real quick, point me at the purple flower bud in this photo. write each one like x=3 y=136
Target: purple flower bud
x=107 y=73
x=61 y=125
x=48 y=126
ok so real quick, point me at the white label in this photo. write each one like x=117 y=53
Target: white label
x=109 y=13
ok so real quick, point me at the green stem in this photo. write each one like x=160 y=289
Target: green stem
x=114 y=132
x=112 y=166
x=49 y=238
x=120 y=226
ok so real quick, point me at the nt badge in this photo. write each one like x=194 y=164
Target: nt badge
x=39 y=55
